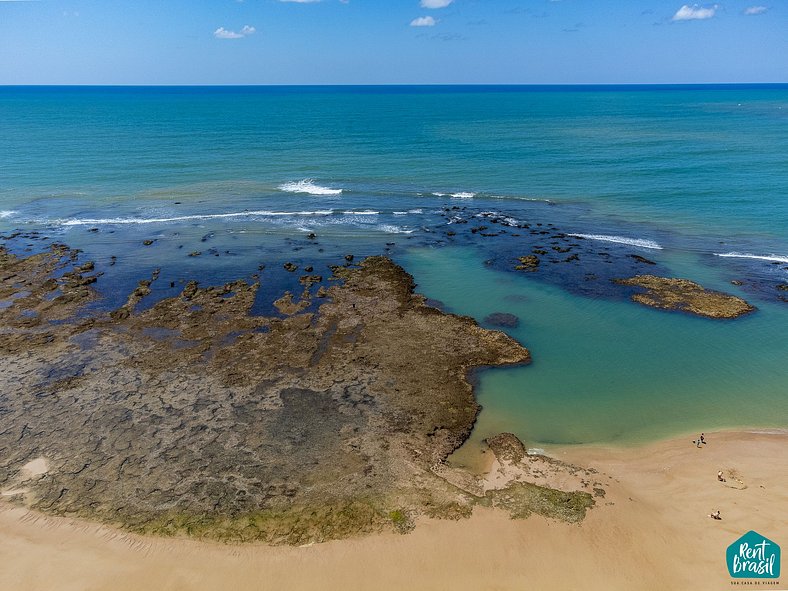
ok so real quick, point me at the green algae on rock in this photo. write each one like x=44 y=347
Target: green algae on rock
x=522 y=499
x=686 y=296
x=523 y=483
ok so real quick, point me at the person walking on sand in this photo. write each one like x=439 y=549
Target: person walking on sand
x=720 y=477
x=702 y=439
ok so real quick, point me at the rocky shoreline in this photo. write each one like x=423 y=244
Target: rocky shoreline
x=193 y=416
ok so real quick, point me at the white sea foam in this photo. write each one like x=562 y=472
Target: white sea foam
x=504 y=220
x=6 y=214
x=363 y=212
x=640 y=242
x=413 y=211
x=308 y=186
x=457 y=195
x=776 y=258
x=187 y=218
x=538 y=199
x=391 y=229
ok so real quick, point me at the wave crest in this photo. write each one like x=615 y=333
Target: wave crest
x=457 y=195
x=187 y=218
x=775 y=258
x=640 y=242
x=392 y=229
x=308 y=186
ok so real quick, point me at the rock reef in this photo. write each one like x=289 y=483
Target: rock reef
x=686 y=296
x=194 y=417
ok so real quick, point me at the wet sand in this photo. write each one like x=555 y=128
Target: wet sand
x=650 y=531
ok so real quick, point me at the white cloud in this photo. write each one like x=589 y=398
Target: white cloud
x=435 y=3
x=753 y=10
x=423 y=21
x=694 y=12
x=222 y=33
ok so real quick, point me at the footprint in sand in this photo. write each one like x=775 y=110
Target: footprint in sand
x=734 y=480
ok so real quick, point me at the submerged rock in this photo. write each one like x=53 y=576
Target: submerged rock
x=641 y=259
x=502 y=319
x=686 y=296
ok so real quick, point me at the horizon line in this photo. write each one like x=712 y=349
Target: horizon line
x=395 y=84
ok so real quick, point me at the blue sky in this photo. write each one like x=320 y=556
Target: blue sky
x=381 y=42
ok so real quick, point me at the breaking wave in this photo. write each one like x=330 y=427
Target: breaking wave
x=308 y=186
x=640 y=242
x=458 y=195
x=776 y=258
x=187 y=218
x=391 y=229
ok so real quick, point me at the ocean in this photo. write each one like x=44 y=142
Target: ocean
x=693 y=178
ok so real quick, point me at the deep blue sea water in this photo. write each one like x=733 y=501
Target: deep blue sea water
x=678 y=174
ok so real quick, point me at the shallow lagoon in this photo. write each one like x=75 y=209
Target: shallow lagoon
x=608 y=371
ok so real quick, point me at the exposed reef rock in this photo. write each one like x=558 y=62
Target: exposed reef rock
x=195 y=417
x=506 y=447
x=37 y=293
x=523 y=484
x=528 y=263
x=686 y=296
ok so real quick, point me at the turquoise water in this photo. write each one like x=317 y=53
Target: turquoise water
x=607 y=371
x=677 y=174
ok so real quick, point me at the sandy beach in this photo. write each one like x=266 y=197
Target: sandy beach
x=650 y=531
